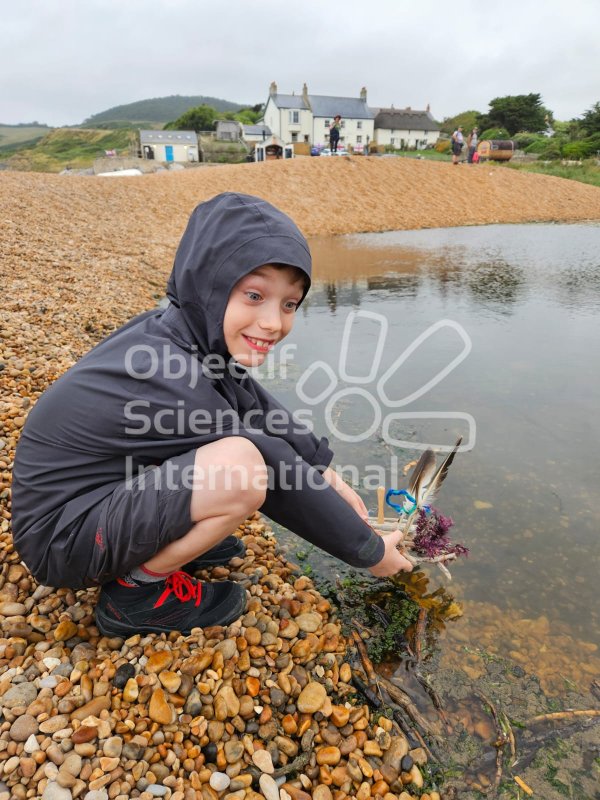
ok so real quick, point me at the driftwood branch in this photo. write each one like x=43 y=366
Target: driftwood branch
x=561 y=715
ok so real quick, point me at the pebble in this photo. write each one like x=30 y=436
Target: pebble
x=268 y=787
x=23 y=727
x=262 y=759
x=122 y=675
x=311 y=698
x=219 y=781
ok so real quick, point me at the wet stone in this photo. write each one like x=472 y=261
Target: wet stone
x=122 y=675
x=234 y=751
x=311 y=698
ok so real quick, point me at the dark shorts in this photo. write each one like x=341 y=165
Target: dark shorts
x=131 y=525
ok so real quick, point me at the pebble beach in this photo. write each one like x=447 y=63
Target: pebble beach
x=264 y=708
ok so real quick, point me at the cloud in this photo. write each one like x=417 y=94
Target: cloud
x=68 y=60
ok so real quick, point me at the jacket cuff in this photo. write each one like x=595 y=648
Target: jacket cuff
x=372 y=551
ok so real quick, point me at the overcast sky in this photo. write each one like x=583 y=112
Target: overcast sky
x=64 y=60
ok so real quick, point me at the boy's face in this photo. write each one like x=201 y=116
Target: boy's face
x=260 y=312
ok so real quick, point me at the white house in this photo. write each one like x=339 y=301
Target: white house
x=405 y=128
x=169 y=145
x=306 y=118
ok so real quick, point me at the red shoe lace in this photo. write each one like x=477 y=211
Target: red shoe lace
x=183 y=587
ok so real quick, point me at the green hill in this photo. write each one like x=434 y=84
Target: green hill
x=15 y=137
x=74 y=147
x=157 y=110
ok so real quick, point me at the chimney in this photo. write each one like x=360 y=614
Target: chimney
x=408 y=108
x=363 y=93
x=305 y=92
x=273 y=88
x=428 y=108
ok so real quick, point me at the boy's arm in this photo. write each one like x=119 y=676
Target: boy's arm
x=280 y=422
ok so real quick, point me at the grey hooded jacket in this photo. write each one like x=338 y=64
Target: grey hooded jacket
x=107 y=414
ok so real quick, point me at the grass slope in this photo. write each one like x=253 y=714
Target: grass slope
x=74 y=147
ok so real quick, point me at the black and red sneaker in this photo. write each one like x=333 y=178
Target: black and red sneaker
x=222 y=553
x=178 y=603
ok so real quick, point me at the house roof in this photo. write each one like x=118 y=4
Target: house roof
x=168 y=137
x=348 y=107
x=405 y=119
x=289 y=101
x=256 y=130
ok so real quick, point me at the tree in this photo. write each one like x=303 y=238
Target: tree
x=467 y=119
x=200 y=118
x=521 y=112
x=590 y=121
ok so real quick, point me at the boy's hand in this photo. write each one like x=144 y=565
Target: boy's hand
x=393 y=561
x=347 y=492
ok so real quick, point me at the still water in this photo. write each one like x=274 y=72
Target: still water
x=524 y=496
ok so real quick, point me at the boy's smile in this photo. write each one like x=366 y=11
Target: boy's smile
x=260 y=312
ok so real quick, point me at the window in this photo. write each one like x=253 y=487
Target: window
x=343 y=123
x=358 y=139
x=392 y=140
x=294 y=136
x=359 y=124
x=326 y=123
x=294 y=117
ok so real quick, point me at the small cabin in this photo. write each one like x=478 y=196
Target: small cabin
x=496 y=149
x=272 y=149
x=169 y=146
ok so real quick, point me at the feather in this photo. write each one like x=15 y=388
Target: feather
x=425 y=481
x=431 y=489
x=422 y=474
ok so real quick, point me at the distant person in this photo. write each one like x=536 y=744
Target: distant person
x=458 y=141
x=334 y=133
x=472 y=140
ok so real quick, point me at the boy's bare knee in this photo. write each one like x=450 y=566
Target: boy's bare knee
x=236 y=471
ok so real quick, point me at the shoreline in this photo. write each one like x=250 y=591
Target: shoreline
x=80 y=256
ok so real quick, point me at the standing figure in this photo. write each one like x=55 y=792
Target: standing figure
x=457 y=144
x=334 y=133
x=472 y=140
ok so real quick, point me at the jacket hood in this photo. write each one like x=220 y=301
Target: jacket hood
x=225 y=239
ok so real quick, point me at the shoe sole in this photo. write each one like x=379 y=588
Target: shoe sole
x=109 y=626
x=205 y=560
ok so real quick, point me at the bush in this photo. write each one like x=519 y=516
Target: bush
x=495 y=133
x=443 y=146
x=576 y=150
x=525 y=139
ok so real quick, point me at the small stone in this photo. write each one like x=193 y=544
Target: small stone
x=96 y=794
x=113 y=747
x=311 y=698
x=23 y=694
x=328 y=755
x=158 y=661
x=170 y=680
x=232 y=702
x=31 y=745
x=157 y=789
x=262 y=759
x=23 y=727
x=8 y=609
x=268 y=787
x=65 y=630
x=92 y=708
x=309 y=622
x=83 y=734
x=396 y=752
x=54 y=791
x=234 y=751
x=219 y=781
x=406 y=763
x=131 y=691
x=54 y=724
x=159 y=710
x=322 y=792
x=339 y=716
x=122 y=675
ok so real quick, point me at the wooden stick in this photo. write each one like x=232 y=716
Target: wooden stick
x=399 y=696
x=562 y=715
x=365 y=660
x=380 y=505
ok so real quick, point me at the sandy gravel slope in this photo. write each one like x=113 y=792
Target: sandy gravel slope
x=92 y=251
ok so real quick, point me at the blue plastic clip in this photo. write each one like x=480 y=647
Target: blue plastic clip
x=402 y=493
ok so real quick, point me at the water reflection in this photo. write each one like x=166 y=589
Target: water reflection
x=525 y=499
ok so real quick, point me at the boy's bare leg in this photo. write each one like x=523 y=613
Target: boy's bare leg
x=230 y=483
